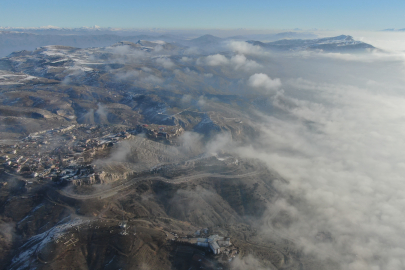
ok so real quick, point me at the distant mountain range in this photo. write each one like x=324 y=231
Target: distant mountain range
x=394 y=30
x=278 y=36
x=96 y=30
x=341 y=43
x=18 y=39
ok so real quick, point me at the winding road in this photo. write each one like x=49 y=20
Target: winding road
x=112 y=191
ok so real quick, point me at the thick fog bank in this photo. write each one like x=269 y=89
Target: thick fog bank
x=338 y=139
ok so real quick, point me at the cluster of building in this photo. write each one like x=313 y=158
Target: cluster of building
x=31 y=164
x=59 y=154
x=64 y=154
x=215 y=243
x=159 y=132
x=78 y=175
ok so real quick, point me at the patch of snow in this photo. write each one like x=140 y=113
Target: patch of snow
x=9 y=83
x=80 y=68
x=58 y=61
x=161 y=42
x=10 y=78
x=29 y=77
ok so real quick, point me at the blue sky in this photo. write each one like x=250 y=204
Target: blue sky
x=286 y=14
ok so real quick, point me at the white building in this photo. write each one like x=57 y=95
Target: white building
x=214 y=242
x=215 y=247
x=202 y=242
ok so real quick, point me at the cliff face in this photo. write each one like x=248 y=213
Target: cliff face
x=106 y=177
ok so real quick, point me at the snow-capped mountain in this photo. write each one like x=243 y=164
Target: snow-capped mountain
x=342 y=43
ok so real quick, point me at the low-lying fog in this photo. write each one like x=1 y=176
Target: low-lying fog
x=338 y=138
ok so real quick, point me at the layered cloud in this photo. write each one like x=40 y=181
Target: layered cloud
x=237 y=62
x=371 y=57
x=341 y=153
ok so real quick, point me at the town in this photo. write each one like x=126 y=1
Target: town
x=65 y=155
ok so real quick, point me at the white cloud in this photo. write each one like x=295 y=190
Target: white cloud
x=191 y=50
x=238 y=61
x=243 y=47
x=152 y=79
x=165 y=62
x=127 y=75
x=190 y=72
x=185 y=59
x=102 y=112
x=186 y=99
x=263 y=81
x=121 y=50
x=146 y=69
x=126 y=54
x=202 y=101
x=214 y=60
x=220 y=142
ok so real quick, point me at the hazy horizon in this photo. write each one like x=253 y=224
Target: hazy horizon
x=291 y=14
